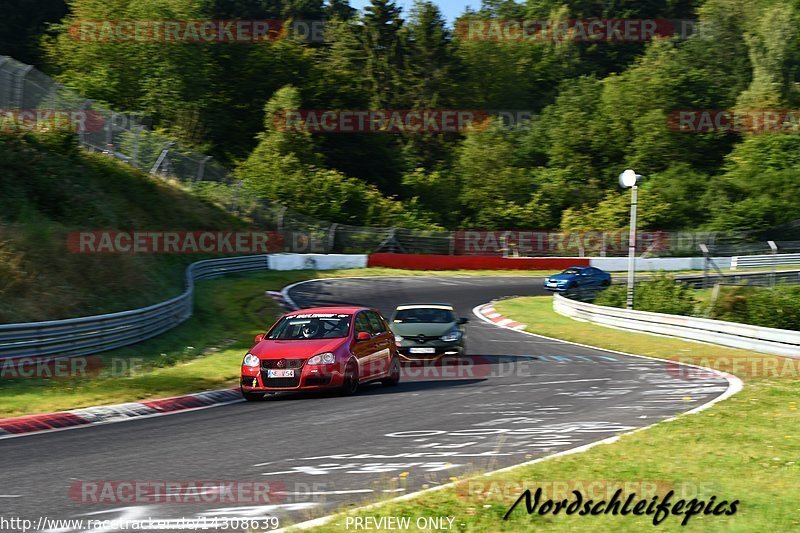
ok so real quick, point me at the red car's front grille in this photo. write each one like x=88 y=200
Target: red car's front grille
x=282 y=363
x=280 y=383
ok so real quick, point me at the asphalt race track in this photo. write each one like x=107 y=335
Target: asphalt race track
x=521 y=397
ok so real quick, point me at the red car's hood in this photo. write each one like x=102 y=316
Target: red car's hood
x=271 y=349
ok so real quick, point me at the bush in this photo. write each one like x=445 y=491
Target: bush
x=614 y=296
x=658 y=295
x=777 y=307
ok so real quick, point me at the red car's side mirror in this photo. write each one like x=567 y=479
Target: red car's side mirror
x=259 y=338
x=363 y=336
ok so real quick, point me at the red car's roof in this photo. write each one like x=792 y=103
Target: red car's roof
x=338 y=309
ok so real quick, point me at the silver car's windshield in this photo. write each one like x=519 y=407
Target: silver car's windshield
x=423 y=315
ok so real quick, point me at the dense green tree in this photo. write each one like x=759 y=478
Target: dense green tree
x=383 y=50
x=434 y=193
x=773 y=51
x=285 y=168
x=596 y=107
x=497 y=191
x=760 y=187
x=431 y=82
x=339 y=10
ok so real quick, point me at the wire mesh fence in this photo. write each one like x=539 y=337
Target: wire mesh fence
x=33 y=99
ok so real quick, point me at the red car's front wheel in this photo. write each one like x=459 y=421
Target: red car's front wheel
x=350 y=385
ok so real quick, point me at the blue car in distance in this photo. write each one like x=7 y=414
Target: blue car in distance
x=577 y=277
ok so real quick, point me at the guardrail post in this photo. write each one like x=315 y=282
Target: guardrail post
x=714 y=296
x=137 y=131
x=332 y=237
x=279 y=218
x=774 y=248
x=20 y=88
x=235 y=199
x=85 y=106
x=5 y=88
x=706 y=260
x=201 y=169
x=161 y=158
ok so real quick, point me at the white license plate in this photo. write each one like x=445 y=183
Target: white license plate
x=280 y=373
x=551 y=283
x=422 y=350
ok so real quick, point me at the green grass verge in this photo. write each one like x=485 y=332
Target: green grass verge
x=746 y=448
x=201 y=354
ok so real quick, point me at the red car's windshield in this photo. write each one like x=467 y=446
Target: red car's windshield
x=311 y=326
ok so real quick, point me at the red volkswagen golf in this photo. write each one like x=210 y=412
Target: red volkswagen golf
x=324 y=347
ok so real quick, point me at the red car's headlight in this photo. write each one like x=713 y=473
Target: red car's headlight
x=322 y=359
x=250 y=360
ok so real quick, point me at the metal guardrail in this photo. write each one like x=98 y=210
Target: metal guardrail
x=764 y=261
x=768 y=340
x=93 y=334
x=788 y=277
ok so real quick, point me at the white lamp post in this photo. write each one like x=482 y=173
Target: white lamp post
x=630 y=179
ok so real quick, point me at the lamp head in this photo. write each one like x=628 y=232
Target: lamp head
x=629 y=178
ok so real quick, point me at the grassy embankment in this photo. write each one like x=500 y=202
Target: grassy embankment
x=50 y=187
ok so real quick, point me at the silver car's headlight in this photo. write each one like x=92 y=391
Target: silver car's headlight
x=452 y=336
x=250 y=360
x=398 y=338
x=322 y=359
